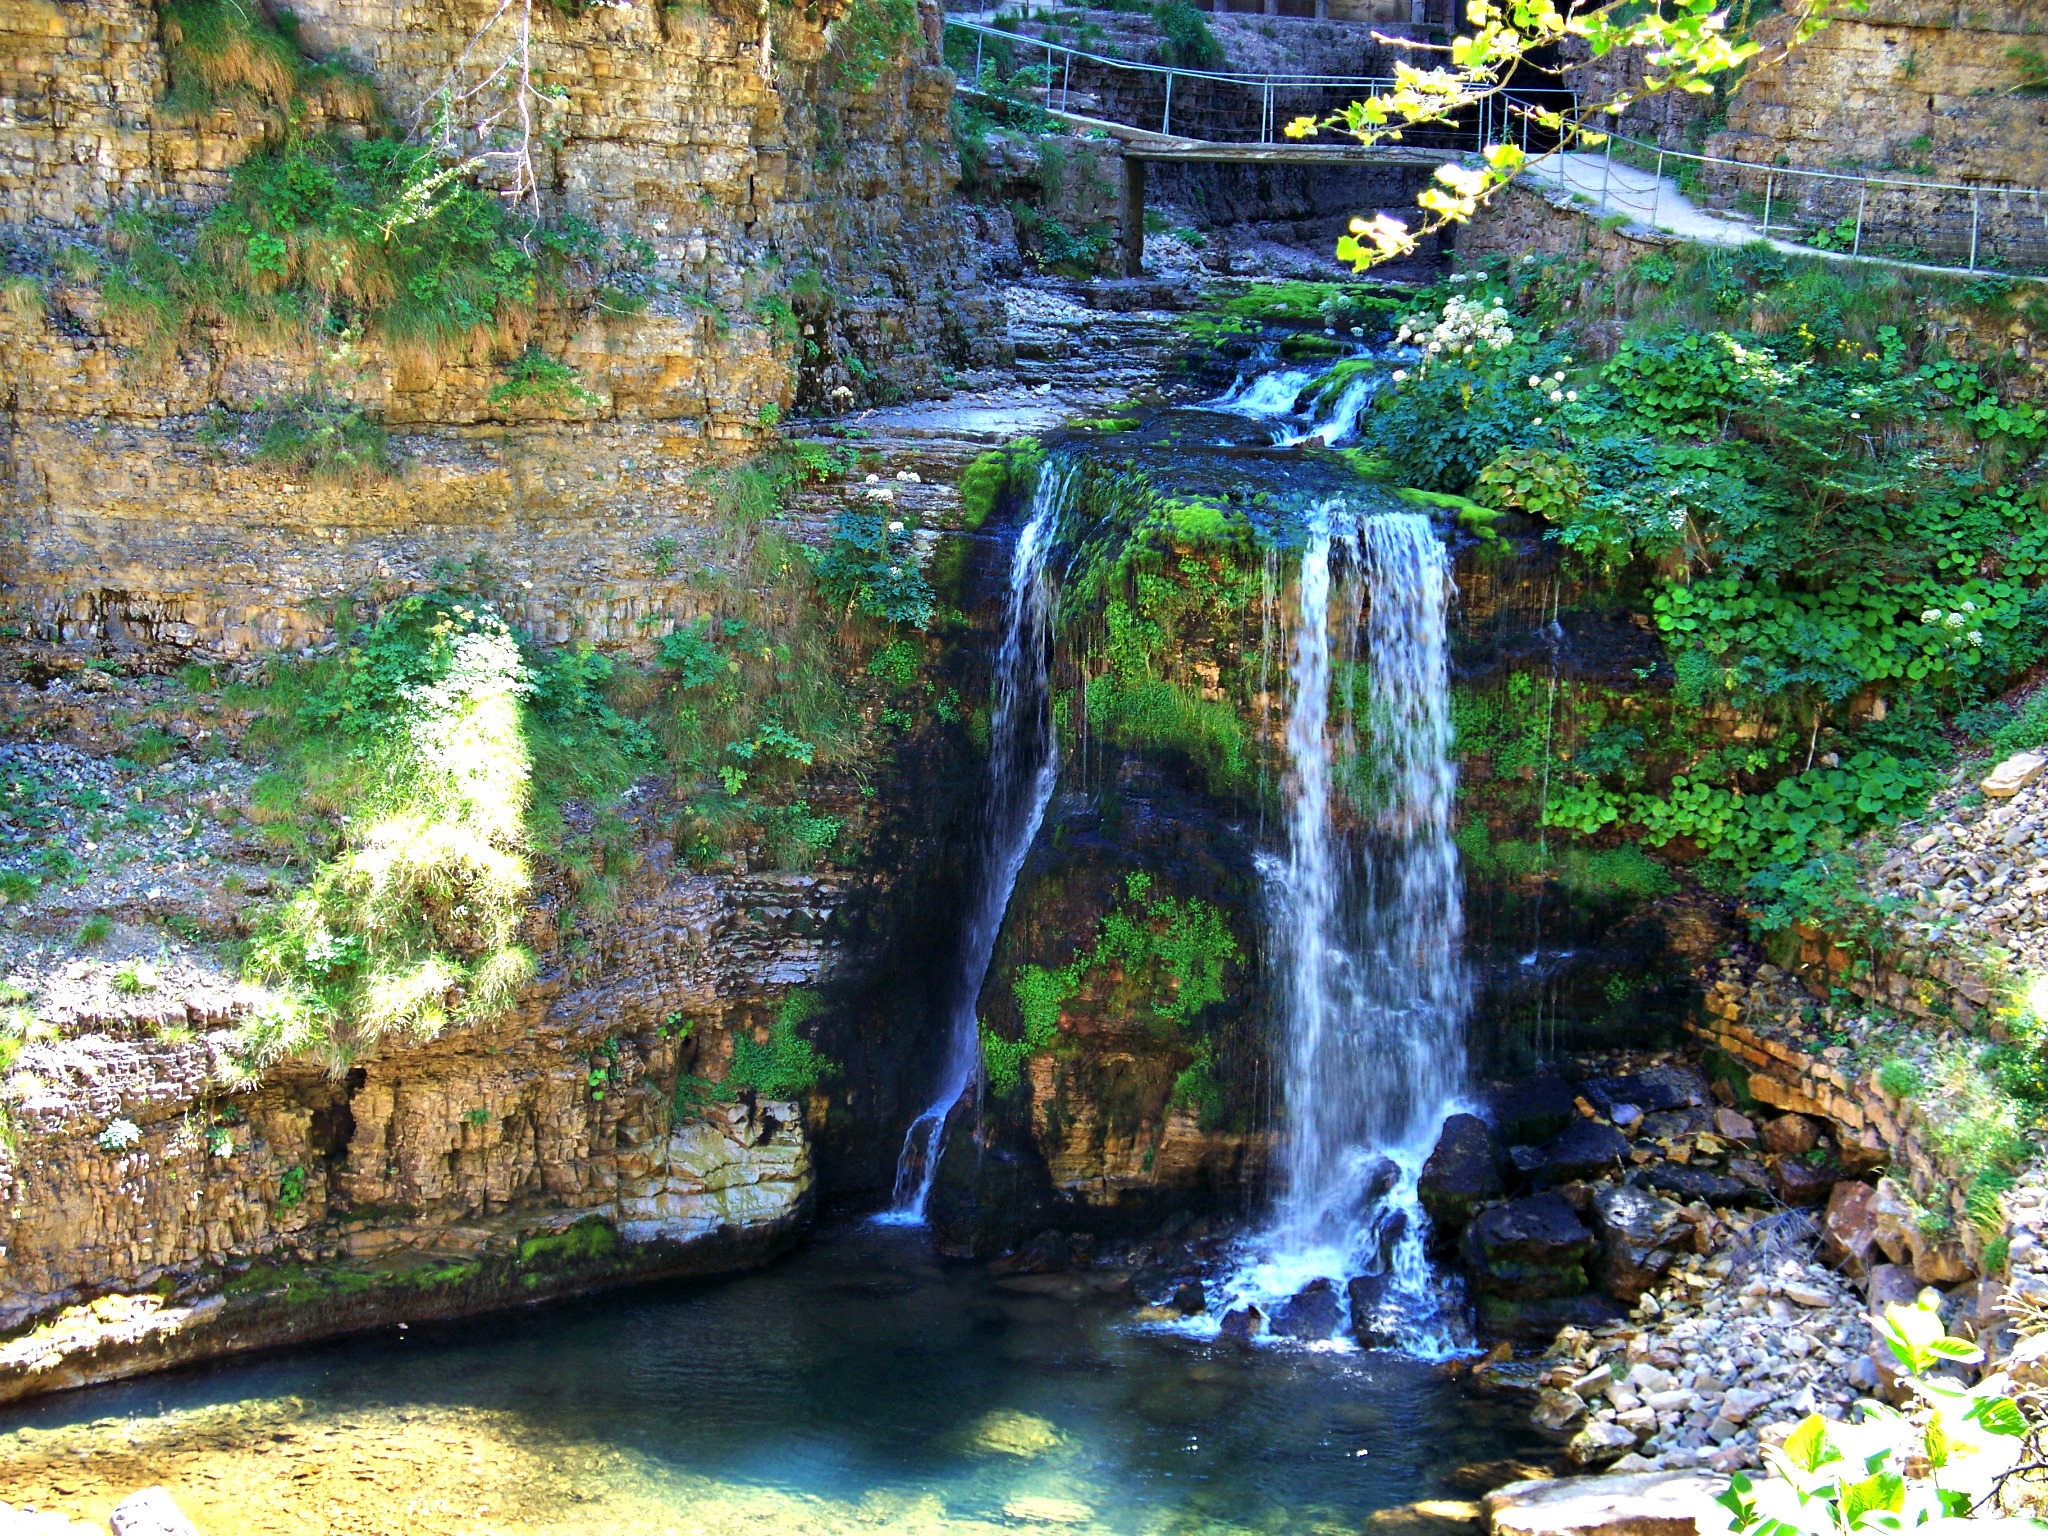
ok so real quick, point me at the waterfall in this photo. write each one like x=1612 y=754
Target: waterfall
x=1023 y=765
x=1365 y=930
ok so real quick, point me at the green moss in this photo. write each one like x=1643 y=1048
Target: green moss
x=1109 y=424
x=590 y=1240
x=999 y=476
x=1473 y=516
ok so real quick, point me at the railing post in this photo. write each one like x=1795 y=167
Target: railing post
x=1048 y=77
x=1656 y=186
x=1862 y=198
x=977 y=58
x=1166 y=119
x=1770 y=182
x=1067 y=84
x=1976 y=207
x=1606 y=169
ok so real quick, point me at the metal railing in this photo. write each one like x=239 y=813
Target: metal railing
x=1960 y=226
x=1492 y=116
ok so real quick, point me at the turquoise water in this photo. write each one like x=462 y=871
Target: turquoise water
x=860 y=1384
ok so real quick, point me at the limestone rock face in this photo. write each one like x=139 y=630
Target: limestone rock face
x=131 y=530
x=733 y=1168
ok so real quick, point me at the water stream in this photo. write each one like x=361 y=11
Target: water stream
x=1364 y=927
x=1023 y=766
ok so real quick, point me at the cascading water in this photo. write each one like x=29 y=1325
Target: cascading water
x=1366 y=937
x=1023 y=765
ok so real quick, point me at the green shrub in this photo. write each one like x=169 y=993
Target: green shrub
x=1186 y=38
x=785 y=1066
x=533 y=378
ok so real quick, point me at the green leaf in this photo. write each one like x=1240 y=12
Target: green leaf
x=1808 y=1447
x=1998 y=1415
x=1886 y=1491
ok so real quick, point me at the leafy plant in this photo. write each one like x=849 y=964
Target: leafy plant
x=785 y=1066
x=1942 y=1458
x=533 y=378
x=872 y=566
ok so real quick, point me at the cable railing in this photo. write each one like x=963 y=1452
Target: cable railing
x=1492 y=116
x=1963 y=226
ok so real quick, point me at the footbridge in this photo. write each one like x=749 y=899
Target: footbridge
x=1166 y=112
x=1223 y=117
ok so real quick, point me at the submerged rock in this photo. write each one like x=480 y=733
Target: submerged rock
x=1190 y=1300
x=1462 y=1174
x=1246 y=1322
x=1372 y=1327
x=1313 y=1312
x=151 y=1512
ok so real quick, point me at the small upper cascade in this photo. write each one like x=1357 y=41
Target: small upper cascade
x=1023 y=766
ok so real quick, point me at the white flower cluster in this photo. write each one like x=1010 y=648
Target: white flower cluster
x=1465 y=325
x=1552 y=387
x=1954 y=620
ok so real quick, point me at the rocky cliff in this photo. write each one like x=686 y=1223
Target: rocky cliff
x=739 y=175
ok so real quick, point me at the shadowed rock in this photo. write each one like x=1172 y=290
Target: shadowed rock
x=1529 y=1249
x=1313 y=1312
x=1639 y=1234
x=1585 y=1150
x=1462 y=1174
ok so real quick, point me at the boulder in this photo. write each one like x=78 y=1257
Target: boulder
x=1527 y=1250
x=1530 y=1111
x=1599 y=1443
x=1631 y=1504
x=1651 y=1090
x=1045 y=1254
x=1584 y=1150
x=1732 y=1125
x=1796 y=1181
x=1675 y=1122
x=1639 y=1237
x=1373 y=1323
x=1694 y=1185
x=1939 y=1262
x=1313 y=1312
x=1462 y=1174
x=1245 y=1322
x=1849 y=1230
x=1789 y=1135
x=1554 y=1408
x=1189 y=1299
x=150 y=1512
x=2013 y=775
x=1894 y=1216
x=1890 y=1283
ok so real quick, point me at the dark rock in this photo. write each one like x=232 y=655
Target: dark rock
x=1585 y=1150
x=1045 y=1254
x=1157 y=1284
x=1246 y=1322
x=1384 y=1175
x=1677 y=1122
x=1527 y=1250
x=1530 y=1111
x=1538 y=1322
x=1190 y=1300
x=1689 y=1184
x=1799 y=1182
x=1639 y=1238
x=1789 y=1135
x=1651 y=1090
x=1462 y=1174
x=1373 y=1324
x=1313 y=1312
x=1626 y=1118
